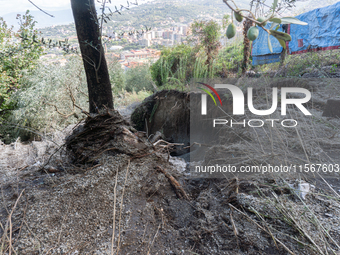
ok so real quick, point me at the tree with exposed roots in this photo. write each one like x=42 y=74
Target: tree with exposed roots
x=92 y=51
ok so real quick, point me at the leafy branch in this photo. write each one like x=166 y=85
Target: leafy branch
x=253 y=31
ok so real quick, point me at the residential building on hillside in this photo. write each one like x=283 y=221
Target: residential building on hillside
x=139 y=54
x=167 y=42
x=168 y=34
x=144 y=42
x=177 y=38
x=130 y=65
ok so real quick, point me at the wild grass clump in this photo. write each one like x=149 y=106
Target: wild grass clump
x=297 y=65
x=138 y=79
x=178 y=65
x=229 y=60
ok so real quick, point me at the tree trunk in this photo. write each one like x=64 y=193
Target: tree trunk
x=246 y=45
x=97 y=75
x=283 y=57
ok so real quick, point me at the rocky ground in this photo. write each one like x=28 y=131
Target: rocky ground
x=129 y=196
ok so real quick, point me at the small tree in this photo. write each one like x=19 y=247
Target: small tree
x=246 y=45
x=208 y=35
x=19 y=52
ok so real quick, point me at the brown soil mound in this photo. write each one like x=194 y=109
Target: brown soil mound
x=166 y=111
x=76 y=214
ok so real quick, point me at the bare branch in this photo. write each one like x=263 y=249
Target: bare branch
x=41 y=9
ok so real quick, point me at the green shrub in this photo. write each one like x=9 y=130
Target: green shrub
x=206 y=35
x=117 y=76
x=173 y=63
x=138 y=78
x=178 y=65
x=45 y=100
x=19 y=53
x=229 y=59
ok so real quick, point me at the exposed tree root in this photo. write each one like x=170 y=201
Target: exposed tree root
x=106 y=132
x=178 y=188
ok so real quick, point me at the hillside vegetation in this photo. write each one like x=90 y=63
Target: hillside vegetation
x=154 y=14
x=47 y=88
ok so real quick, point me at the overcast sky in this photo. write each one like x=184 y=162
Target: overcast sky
x=9 y=6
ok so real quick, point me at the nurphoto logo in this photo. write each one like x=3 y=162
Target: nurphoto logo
x=238 y=100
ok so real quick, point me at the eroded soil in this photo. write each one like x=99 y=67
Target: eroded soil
x=122 y=204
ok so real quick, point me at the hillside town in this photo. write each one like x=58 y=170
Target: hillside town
x=147 y=43
x=132 y=58
x=156 y=36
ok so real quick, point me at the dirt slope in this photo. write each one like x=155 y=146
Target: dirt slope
x=71 y=208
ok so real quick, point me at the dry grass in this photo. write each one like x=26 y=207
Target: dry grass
x=316 y=140
x=311 y=62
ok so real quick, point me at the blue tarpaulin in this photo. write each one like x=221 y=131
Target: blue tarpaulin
x=321 y=33
x=266 y=59
x=260 y=51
